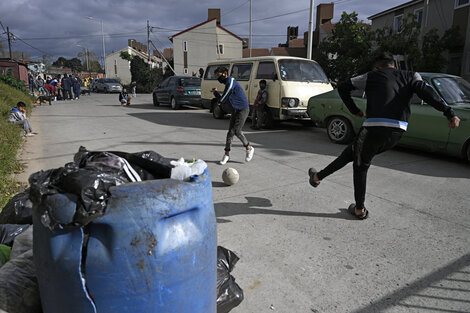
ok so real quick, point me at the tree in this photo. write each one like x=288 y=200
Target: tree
x=60 y=62
x=126 y=56
x=344 y=53
x=168 y=71
x=146 y=79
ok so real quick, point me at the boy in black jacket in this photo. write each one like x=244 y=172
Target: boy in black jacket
x=389 y=93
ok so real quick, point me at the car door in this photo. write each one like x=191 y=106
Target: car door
x=170 y=89
x=266 y=70
x=242 y=74
x=160 y=92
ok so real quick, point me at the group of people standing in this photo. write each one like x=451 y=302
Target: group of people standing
x=62 y=87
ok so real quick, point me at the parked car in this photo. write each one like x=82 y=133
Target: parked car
x=428 y=129
x=178 y=91
x=290 y=82
x=107 y=85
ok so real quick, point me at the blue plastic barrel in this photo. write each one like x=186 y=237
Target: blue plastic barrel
x=155 y=250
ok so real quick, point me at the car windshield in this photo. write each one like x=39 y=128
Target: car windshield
x=190 y=81
x=454 y=90
x=301 y=71
x=110 y=80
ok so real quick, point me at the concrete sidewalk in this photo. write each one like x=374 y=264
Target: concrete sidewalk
x=300 y=251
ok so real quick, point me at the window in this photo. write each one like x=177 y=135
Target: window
x=398 y=23
x=242 y=71
x=209 y=74
x=165 y=82
x=185 y=46
x=266 y=70
x=220 y=49
x=301 y=71
x=461 y=3
x=419 y=15
x=185 y=71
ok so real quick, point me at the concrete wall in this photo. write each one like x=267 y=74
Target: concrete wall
x=233 y=47
x=117 y=67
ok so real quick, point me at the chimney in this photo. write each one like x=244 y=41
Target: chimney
x=214 y=13
x=324 y=13
x=292 y=33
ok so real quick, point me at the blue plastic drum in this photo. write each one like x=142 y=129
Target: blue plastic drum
x=155 y=250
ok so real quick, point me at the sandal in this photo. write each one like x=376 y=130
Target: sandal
x=362 y=216
x=311 y=174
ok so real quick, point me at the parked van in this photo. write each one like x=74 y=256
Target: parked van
x=291 y=82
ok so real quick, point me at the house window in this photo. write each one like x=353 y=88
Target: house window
x=419 y=15
x=185 y=71
x=398 y=23
x=220 y=49
x=185 y=46
x=461 y=3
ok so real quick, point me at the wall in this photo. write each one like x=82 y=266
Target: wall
x=117 y=67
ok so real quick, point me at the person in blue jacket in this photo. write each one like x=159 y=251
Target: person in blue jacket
x=236 y=98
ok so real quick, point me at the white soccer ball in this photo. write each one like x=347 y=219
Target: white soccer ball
x=230 y=176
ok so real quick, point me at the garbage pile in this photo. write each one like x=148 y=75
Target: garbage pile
x=88 y=179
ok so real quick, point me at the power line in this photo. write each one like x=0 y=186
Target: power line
x=270 y=17
x=42 y=51
x=235 y=8
x=86 y=35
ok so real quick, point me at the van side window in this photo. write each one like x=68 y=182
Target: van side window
x=266 y=70
x=209 y=74
x=241 y=72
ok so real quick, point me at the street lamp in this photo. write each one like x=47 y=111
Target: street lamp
x=102 y=35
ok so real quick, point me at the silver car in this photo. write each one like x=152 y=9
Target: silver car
x=107 y=85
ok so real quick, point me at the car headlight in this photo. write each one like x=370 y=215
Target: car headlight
x=290 y=102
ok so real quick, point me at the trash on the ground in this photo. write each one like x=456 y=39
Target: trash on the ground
x=18 y=210
x=229 y=294
x=19 y=292
x=91 y=175
x=8 y=233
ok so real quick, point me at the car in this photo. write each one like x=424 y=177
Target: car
x=177 y=91
x=107 y=85
x=428 y=129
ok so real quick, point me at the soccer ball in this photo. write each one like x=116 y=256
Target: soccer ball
x=230 y=176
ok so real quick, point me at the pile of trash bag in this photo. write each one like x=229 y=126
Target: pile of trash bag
x=229 y=294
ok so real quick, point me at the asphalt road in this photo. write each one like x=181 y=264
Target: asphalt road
x=299 y=249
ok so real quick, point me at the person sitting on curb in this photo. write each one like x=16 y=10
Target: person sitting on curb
x=124 y=97
x=18 y=117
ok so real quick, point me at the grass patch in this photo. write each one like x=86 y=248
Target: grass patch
x=10 y=141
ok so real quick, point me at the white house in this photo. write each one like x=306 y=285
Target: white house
x=194 y=47
x=117 y=67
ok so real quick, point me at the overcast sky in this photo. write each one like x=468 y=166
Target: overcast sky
x=56 y=28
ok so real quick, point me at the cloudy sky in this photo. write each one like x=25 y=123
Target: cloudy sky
x=56 y=28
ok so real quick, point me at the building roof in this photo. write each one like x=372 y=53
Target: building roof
x=259 y=52
x=296 y=43
x=168 y=53
x=398 y=7
x=200 y=24
x=285 y=51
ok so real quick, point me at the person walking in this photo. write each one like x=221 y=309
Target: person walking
x=76 y=86
x=257 y=115
x=389 y=93
x=234 y=96
x=134 y=89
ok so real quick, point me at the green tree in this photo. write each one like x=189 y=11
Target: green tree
x=344 y=53
x=60 y=62
x=146 y=79
x=126 y=56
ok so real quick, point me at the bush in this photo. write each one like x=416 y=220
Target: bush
x=13 y=82
x=10 y=141
x=146 y=79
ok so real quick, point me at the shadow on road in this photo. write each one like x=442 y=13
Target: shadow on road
x=444 y=290
x=254 y=205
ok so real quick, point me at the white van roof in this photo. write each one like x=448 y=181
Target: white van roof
x=262 y=58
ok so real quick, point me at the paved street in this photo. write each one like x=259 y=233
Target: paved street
x=299 y=249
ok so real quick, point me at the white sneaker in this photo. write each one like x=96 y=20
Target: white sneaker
x=224 y=159
x=249 y=154
x=30 y=135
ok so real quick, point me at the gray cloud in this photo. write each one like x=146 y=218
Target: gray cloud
x=65 y=25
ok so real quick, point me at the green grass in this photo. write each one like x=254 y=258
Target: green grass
x=10 y=141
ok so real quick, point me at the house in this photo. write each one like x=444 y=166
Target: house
x=208 y=41
x=117 y=67
x=14 y=68
x=256 y=52
x=438 y=14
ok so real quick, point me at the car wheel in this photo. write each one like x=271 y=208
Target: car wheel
x=339 y=130
x=174 y=104
x=217 y=112
x=155 y=100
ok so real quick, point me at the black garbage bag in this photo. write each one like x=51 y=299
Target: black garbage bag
x=8 y=233
x=229 y=294
x=89 y=177
x=18 y=210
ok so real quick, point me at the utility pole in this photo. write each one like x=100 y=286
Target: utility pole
x=148 y=43
x=310 y=32
x=9 y=41
x=250 y=46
